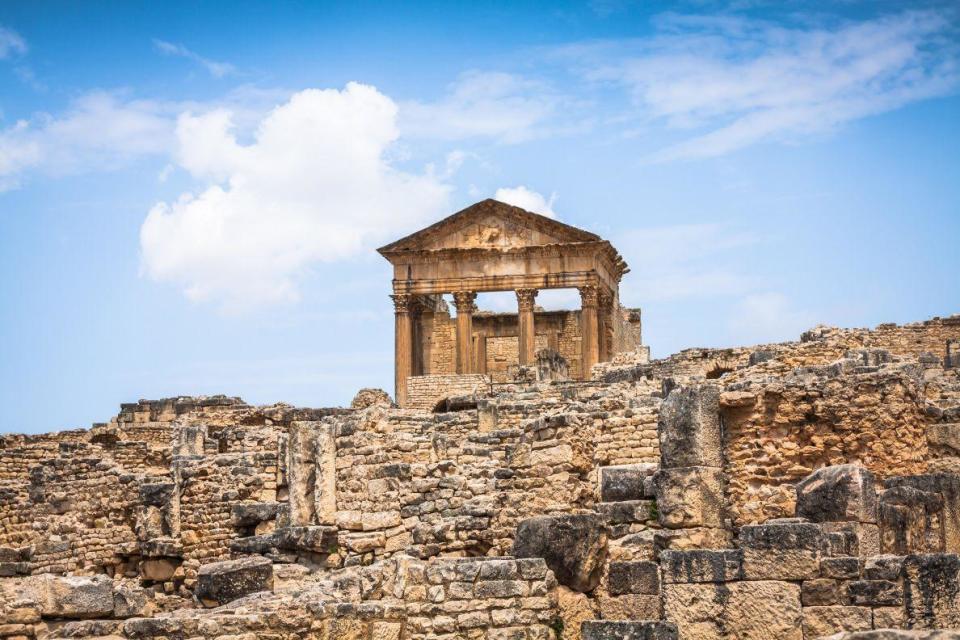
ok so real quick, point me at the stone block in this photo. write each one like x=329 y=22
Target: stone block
x=701 y=565
x=690 y=539
x=130 y=602
x=781 y=551
x=689 y=428
x=875 y=593
x=78 y=597
x=819 y=592
x=222 y=582
x=896 y=634
x=844 y=567
x=845 y=492
x=823 y=621
x=627 y=512
x=884 y=567
x=689 y=497
x=744 y=610
x=622 y=630
x=633 y=577
x=250 y=514
x=625 y=482
x=630 y=607
x=931 y=590
x=573 y=546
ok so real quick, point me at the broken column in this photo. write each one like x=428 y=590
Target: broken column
x=689 y=485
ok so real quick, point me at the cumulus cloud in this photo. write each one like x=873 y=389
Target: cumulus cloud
x=99 y=131
x=214 y=68
x=521 y=196
x=11 y=43
x=731 y=82
x=503 y=106
x=314 y=185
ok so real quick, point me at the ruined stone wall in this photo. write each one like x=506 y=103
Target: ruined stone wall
x=777 y=432
x=424 y=392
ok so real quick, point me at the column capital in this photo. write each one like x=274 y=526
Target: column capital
x=464 y=301
x=403 y=302
x=605 y=299
x=526 y=299
x=588 y=296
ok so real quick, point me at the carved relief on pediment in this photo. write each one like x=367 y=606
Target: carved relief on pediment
x=494 y=232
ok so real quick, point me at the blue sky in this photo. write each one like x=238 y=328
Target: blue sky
x=190 y=193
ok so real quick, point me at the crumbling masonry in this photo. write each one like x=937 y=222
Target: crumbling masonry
x=795 y=490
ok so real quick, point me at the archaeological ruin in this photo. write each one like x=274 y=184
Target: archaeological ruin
x=536 y=476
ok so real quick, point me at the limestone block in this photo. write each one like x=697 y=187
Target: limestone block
x=78 y=597
x=222 y=582
x=573 y=546
x=159 y=569
x=689 y=497
x=369 y=397
x=911 y=520
x=625 y=482
x=884 y=567
x=250 y=514
x=931 y=590
x=130 y=601
x=626 y=512
x=819 y=592
x=693 y=538
x=622 y=630
x=630 y=607
x=633 y=577
x=838 y=493
x=781 y=551
x=689 y=428
x=858 y=538
x=744 y=610
x=574 y=608
x=845 y=567
x=895 y=634
x=701 y=565
x=822 y=621
x=948 y=486
x=875 y=593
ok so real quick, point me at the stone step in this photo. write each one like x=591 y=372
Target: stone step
x=628 y=630
x=626 y=482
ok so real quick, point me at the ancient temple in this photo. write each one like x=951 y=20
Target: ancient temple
x=492 y=246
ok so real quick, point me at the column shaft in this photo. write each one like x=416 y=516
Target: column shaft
x=403 y=345
x=525 y=303
x=589 y=344
x=464 y=302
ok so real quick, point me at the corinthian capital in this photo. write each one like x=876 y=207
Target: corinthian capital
x=463 y=301
x=526 y=298
x=403 y=302
x=588 y=296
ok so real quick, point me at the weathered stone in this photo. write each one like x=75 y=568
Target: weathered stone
x=633 y=606
x=689 y=428
x=931 y=590
x=625 y=482
x=369 y=397
x=874 y=593
x=78 y=597
x=745 y=610
x=574 y=608
x=819 y=592
x=885 y=567
x=823 y=621
x=222 y=582
x=617 y=630
x=689 y=497
x=130 y=602
x=896 y=634
x=702 y=565
x=574 y=547
x=253 y=513
x=837 y=493
x=159 y=569
x=843 y=567
x=784 y=551
x=633 y=577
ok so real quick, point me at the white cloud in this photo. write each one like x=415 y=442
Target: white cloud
x=684 y=261
x=313 y=186
x=99 y=131
x=525 y=198
x=11 y=43
x=496 y=105
x=733 y=82
x=214 y=68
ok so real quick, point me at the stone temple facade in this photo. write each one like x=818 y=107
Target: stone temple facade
x=798 y=490
x=492 y=246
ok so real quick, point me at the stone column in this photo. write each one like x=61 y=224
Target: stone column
x=589 y=347
x=604 y=325
x=403 y=343
x=464 y=302
x=525 y=300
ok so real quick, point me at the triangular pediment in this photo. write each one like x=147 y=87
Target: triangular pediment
x=490 y=224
